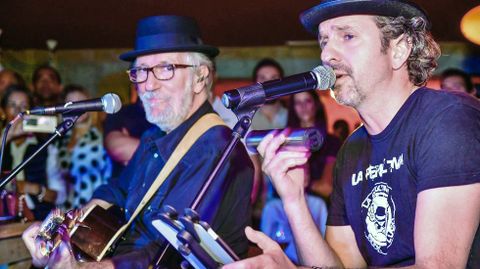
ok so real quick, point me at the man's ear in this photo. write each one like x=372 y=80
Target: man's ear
x=401 y=49
x=200 y=78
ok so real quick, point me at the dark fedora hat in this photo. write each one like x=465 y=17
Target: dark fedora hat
x=330 y=9
x=169 y=33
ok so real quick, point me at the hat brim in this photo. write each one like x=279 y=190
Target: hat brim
x=331 y=9
x=210 y=51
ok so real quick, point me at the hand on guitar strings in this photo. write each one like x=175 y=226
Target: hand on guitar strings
x=49 y=242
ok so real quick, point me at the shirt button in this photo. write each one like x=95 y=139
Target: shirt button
x=126 y=210
x=143 y=185
x=155 y=155
x=149 y=208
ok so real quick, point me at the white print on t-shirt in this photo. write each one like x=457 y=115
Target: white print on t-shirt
x=374 y=171
x=380 y=219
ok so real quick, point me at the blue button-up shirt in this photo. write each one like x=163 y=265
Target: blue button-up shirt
x=226 y=206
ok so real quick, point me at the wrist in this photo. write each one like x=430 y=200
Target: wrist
x=294 y=205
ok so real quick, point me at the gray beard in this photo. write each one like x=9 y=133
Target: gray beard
x=171 y=118
x=355 y=95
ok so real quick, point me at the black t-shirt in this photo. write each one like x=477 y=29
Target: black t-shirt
x=432 y=142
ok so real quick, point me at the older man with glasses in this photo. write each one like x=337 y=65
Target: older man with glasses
x=173 y=73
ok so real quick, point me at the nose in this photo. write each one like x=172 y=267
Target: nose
x=330 y=54
x=151 y=84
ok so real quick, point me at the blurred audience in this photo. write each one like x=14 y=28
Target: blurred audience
x=32 y=182
x=456 y=80
x=7 y=78
x=306 y=110
x=79 y=156
x=47 y=86
x=272 y=115
x=341 y=130
x=122 y=132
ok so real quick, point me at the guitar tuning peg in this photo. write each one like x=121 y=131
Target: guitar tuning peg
x=170 y=212
x=192 y=215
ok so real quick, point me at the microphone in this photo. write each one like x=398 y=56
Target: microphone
x=310 y=138
x=110 y=103
x=321 y=77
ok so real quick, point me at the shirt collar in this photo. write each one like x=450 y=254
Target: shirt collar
x=166 y=143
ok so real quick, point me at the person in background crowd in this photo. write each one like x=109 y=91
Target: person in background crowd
x=79 y=155
x=456 y=80
x=33 y=180
x=47 y=86
x=307 y=111
x=7 y=78
x=271 y=115
x=341 y=130
x=122 y=132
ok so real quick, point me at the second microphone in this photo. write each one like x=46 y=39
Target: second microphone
x=310 y=138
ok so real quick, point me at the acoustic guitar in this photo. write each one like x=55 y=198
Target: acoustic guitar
x=93 y=233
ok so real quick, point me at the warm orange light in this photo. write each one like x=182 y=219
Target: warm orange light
x=470 y=25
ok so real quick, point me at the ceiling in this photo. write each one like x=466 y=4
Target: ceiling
x=111 y=23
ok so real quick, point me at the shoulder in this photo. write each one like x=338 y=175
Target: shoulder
x=438 y=111
x=439 y=101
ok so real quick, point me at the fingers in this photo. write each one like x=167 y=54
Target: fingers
x=284 y=161
x=266 y=141
x=273 y=143
x=29 y=238
x=29 y=235
x=262 y=240
x=272 y=257
x=62 y=257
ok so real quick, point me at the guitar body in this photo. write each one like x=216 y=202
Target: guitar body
x=92 y=233
x=98 y=232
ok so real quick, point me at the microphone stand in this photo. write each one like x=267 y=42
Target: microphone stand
x=245 y=116
x=60 y=130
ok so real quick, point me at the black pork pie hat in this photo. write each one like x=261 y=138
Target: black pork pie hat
x=330 y=9
x=168 y=33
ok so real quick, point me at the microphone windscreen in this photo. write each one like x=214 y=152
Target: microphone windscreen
x=111 y=103
x=325 y=77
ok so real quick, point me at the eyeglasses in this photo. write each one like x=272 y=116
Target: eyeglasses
x=160 y=72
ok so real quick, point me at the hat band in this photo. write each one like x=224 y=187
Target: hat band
x=159 y=41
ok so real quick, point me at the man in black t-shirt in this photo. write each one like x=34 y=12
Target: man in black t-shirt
x=407 y=183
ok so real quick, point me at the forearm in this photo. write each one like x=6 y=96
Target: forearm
x=312 y=249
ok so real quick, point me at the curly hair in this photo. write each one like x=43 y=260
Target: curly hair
x=425 y=51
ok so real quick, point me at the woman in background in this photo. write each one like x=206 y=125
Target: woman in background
x=80 y=156
x=32 y=186
x=305 y=111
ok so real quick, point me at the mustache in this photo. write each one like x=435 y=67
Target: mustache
x=153 y=95
x=340 y=67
